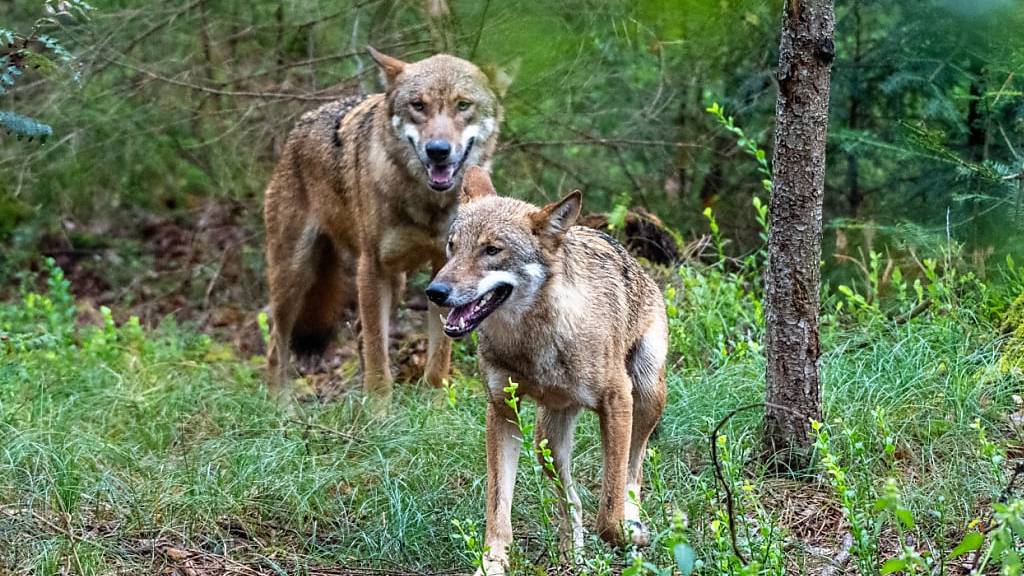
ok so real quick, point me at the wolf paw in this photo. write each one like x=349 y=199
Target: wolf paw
x=638 y=533
x=491 y=567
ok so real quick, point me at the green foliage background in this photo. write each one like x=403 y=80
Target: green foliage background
x=188 y=100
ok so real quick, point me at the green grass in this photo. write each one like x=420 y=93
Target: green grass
x=117 y=443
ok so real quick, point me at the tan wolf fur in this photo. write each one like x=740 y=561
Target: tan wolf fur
x=370 y=184
x=569 y=315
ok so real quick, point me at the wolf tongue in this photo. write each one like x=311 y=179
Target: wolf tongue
x=441 y=174
x=464 y=312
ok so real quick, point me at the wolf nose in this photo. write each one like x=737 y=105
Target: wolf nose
x=438 y=150
x=438 y=293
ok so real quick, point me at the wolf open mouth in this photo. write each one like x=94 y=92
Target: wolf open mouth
x=441 y=177
x=464 y=319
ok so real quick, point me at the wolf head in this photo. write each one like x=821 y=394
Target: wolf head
x=500 y=252
x=446 y=113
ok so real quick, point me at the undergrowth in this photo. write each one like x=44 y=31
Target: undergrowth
x=120 y=445
x=124 y=449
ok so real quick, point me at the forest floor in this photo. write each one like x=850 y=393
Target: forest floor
x=150 y=446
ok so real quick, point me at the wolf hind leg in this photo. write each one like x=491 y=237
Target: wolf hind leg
x=647 y=373
x=308 y=296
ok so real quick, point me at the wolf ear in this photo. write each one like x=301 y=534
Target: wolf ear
x=476 y=184
x=391 y=66
x=554 y=220
x=501 y=77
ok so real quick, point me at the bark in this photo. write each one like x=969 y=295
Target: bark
x=793 y=386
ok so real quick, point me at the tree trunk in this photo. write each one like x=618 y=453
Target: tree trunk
x=793 y=386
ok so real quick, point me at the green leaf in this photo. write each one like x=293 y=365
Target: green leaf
x=905 y=517
x=971 y=542
x=893 y=565
x=685 y=557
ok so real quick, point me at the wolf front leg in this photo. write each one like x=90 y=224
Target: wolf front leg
x=557 y=427
x=375 y=294
x=616 y=418
x=439 y=347
x=502 y=460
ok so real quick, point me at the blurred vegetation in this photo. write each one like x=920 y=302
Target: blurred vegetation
x=179 y=103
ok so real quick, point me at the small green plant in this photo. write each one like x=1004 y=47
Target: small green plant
x=264 y=324
x=620 y=209
x=747 y=144
x=467 y=532
x=716 y=235
x=864 y=527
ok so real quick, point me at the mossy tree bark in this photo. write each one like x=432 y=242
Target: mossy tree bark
x=793 y=385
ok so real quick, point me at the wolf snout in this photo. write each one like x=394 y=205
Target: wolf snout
x=438 y=293
x=438 y=150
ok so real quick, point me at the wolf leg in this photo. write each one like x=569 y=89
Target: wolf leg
x=279 y=352
x=439 y=347
x=375 y=294
x=502 y=460
x=616 y=418
x=288 y=266
x=647 y=373
x=557 y=427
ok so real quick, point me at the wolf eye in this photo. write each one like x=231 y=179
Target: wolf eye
x=418 y=105
x=491 y=250
x=464 y=105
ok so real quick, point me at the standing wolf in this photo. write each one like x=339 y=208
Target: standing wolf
x=569 y=315
x=372 y=179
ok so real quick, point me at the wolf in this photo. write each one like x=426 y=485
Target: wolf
x=568 y=315
x=367 y=187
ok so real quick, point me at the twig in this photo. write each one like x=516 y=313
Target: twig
x=232 y=93
x=842 y=557
x=607 y=142
x=721 y=477
x=1018 y=469
x=134 y=41
x=917 y=311
x=317 y=60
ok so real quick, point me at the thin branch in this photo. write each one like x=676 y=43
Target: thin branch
x=730 y=511
x=606 y=142
x=317 y=60
x=231 y=93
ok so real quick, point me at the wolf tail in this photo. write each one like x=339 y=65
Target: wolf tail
x=330 y=296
